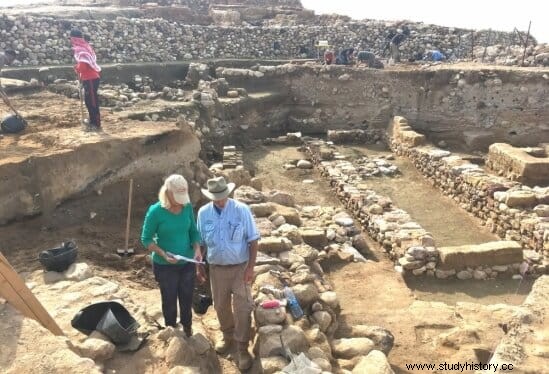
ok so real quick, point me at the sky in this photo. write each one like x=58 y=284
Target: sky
x=503 y=15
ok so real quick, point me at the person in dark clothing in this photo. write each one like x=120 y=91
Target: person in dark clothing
x=345 y=56
x=89 y=76
x=366 y=56
x=396 y=40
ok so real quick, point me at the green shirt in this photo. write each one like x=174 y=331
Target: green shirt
x=175 y=233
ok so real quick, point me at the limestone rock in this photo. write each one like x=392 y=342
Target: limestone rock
x=199 y=343
x=248 y=195
x=271 y=365
x=520 y=198
x=314 y=237
x=374 y=363
x=294 y=338
x=291 y=215
x=274 y=316
x=275 y=245
x=382 y=338
x=304 y=164
x=269 y=341
x=330 y=298
x=178 y=352
x=97 y=347
x=184 y=370
x=324 y=320
x=351 y=347
x=306 y=294
x=281 y=198
x=78 y=272
x=262 y=209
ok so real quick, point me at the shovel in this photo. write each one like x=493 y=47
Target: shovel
x=12 y=124
x=126 y=250
x=81 y=99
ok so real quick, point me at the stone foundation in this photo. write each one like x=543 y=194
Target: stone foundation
x=513 y=211
x=408 y=244
x=526 y=165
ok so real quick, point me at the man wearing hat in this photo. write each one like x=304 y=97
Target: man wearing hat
x=231 y=237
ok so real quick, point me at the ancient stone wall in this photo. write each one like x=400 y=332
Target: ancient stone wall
x=410 y=246
x=473 y=108
x=509 y=209
x=44 y=41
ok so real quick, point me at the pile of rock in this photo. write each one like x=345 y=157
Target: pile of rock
x=296 y=243
x=511 y=55
x=513 y=211
x=354 y=136
x=45 y=41
x=291 y=138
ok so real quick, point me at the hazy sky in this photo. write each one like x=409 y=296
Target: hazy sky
x=501 y=15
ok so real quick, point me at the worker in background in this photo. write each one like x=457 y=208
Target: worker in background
x=396 y=40
x=329 y=57
x=366 y=57
x=89 y=75
x=434 y=55
x=6 y=58
x=345 y=56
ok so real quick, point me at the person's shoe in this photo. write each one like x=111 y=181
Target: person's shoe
x=224 y=346
x=245 y=360
x=188 y=330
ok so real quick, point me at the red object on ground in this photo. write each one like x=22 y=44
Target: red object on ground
x=270 y=304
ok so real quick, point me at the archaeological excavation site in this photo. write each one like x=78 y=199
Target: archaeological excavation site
x=402 y=207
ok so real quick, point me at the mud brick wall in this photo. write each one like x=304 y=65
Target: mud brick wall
x=509 y=209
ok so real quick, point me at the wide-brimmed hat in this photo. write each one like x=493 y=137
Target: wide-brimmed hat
x=218 y=188
x=178 y=186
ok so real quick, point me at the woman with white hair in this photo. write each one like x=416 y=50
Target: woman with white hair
x=170 y=229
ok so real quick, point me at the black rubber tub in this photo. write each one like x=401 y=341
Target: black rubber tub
x=59 y=259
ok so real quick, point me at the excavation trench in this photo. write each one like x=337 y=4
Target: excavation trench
x=372 y=293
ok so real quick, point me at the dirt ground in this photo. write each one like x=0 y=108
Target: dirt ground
x=370 y=293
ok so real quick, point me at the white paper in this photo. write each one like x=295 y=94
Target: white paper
x=183 y=258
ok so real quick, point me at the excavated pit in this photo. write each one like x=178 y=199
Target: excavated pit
x=59 y=183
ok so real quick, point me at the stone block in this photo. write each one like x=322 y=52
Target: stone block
x=486 y=254
x=517 y=164
x=314 y=237
x=276 y=245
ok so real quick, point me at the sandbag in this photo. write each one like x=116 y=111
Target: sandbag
x=13 y=124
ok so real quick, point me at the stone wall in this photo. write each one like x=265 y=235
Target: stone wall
x=511 y=210
x=410 y=246
x=44 y=41
x=470 y=107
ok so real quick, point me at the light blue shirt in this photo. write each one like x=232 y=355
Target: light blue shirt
x=227 y=234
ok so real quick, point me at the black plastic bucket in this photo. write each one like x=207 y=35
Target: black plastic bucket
x=13 y=124
x=201 y=303
x=109 y=318
x=59 y=259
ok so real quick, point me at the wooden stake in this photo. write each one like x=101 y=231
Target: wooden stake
x=526 y=43
x=16 y=292
x=129 y=217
